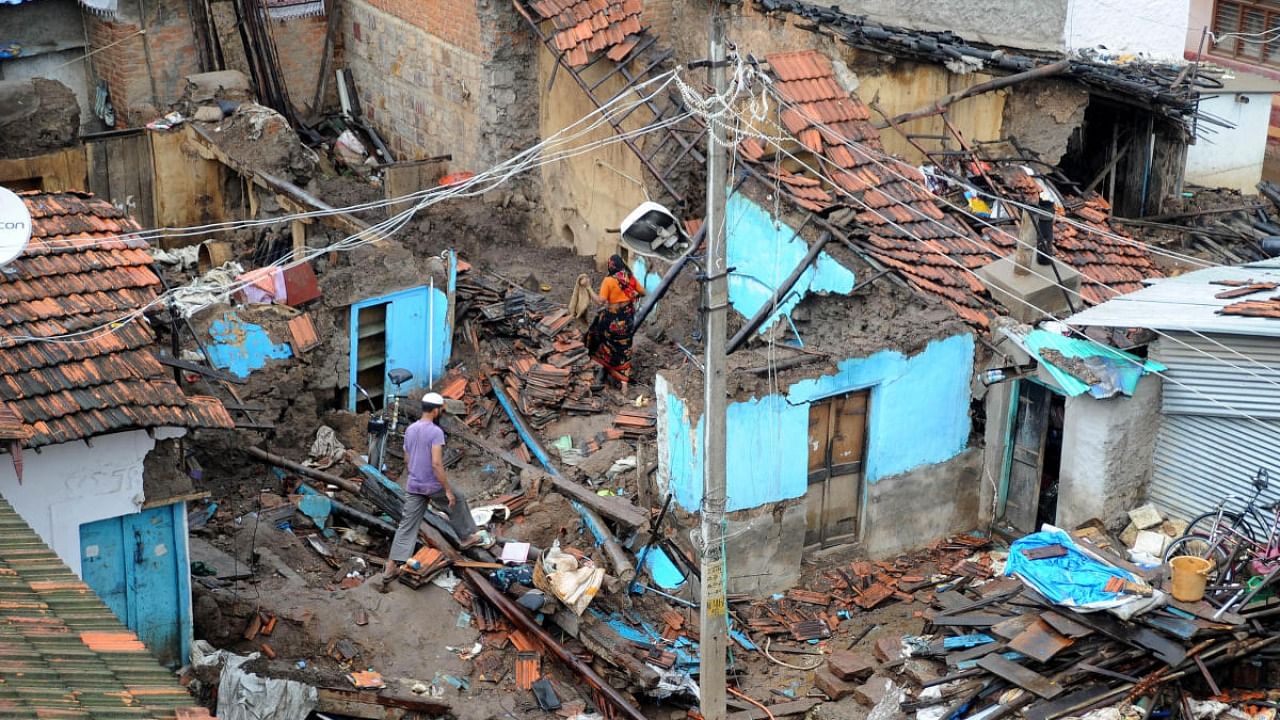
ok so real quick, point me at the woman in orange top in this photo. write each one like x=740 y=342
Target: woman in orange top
x=610 y=334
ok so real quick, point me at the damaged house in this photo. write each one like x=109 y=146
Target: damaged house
x=858 y=406
x=1208 y=425
x=93 y=422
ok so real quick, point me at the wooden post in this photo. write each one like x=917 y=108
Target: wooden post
x=299 y=240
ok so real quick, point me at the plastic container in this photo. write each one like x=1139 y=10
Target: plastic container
x=1190 y=575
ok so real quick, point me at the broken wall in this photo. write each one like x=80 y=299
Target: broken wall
x=918 y=417
x=67 y=485
x=144 y=54
x=447 y=77
x=1042 y=115
x=50 y=42
x=1231 y=157
x=586 y=195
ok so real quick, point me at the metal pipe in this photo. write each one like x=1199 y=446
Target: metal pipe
x=270 y=459
x=772 y=305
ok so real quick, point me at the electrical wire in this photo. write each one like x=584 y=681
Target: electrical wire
x=472 y=187
x=870 y=154
x=1236 y=412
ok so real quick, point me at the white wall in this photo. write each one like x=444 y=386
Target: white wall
x=1231 y=158
x=1157 y=28
x=65 y=486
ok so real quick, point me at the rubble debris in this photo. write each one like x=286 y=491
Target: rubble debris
x=39 y=116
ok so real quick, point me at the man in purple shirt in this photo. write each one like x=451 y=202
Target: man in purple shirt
x=424 y=464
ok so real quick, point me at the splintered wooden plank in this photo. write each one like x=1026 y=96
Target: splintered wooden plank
x=1028 y=680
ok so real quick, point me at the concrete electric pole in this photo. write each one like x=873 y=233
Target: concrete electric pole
x=714 y=610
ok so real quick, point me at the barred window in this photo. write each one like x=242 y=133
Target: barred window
x=1248 y=30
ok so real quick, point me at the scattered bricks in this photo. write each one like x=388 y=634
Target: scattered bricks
x=874 y=595
x=888 y=648
x=832 y=686
x=873 y=691
x=848 y=665
x=267 y=650
x=255 y=625
x=269 y=625
x=1129 y=535
x=1145 y=517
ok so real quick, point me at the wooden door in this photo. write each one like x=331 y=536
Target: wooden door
x=1029 y=432
x=837 y=450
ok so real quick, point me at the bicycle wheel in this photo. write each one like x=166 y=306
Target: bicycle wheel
x=1201 y=547
x=1204 y=525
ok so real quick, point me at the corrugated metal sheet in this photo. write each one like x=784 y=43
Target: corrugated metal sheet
x=1200 y=460
x=1206 y=379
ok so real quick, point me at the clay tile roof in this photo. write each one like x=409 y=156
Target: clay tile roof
x=582 y=28
x=65 y=654
x=911 y=232
x=75 y=277
x=912 y=235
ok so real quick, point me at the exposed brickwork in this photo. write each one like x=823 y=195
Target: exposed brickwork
x=455 y=22
x=121 y=58
x=444 y=77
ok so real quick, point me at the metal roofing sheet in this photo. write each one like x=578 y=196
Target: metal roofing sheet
x=1220 y=375
x=1200 y=460
x=1187 y=303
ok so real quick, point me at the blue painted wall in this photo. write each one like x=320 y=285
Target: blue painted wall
x=919 y=415
x=763 y=253
x=241 y=347
x=419 y=338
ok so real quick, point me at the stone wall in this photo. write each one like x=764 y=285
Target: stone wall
x=446 y=77
x=145 y=71
x=1107 y=451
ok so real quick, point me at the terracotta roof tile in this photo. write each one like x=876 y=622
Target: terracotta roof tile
x=586 y=27
x=68 y=281
x=930 y=247
x=63 y=653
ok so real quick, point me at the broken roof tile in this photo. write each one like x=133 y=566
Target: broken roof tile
x=586 y=27
x=931 y=247
x=106 y=380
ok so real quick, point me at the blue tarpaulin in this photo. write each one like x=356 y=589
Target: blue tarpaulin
x=1074 y=580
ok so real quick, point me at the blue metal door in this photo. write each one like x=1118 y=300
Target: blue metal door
x=137 y=564
x=408 y=329
x=407 y=337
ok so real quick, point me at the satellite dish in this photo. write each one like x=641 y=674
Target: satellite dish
x=15 y=226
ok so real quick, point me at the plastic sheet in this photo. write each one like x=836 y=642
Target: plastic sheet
x=1073 y=580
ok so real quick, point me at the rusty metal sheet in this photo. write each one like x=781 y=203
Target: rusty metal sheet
x=1013 y=627
x=1040 y=642
x=1029 y=680
x=1066 y=625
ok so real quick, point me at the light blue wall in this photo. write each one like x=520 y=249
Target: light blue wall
x=919 y=415
x=418 y=337
x=763 y=253
x=241 y=347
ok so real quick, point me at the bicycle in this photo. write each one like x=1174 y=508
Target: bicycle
x=1228 y=540
x=385 y=424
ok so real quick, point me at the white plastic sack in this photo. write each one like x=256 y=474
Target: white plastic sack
x=245 y=696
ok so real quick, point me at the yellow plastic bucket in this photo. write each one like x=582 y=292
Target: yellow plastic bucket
x=1190 y=575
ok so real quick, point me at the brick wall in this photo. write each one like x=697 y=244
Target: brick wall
x=444 y=77
x=300 y=47
x=141 y=91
